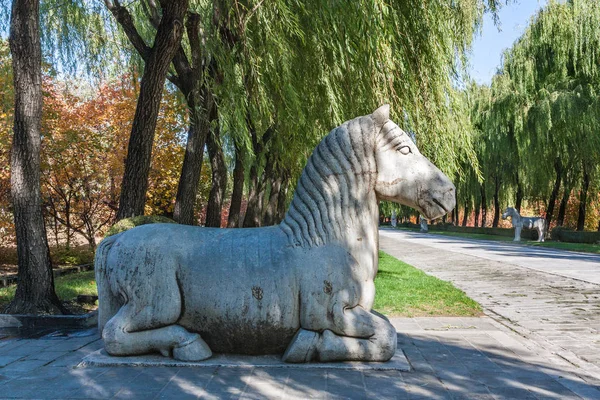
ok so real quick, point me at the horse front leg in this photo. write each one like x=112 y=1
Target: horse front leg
x=517 y=234
x=355 y=335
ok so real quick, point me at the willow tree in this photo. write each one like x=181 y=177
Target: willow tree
x=301 y=69
x=554 y=76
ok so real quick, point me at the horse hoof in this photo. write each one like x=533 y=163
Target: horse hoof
x=302 y=348
x=196 y=350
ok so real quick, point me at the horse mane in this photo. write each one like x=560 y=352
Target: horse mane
x=330 y=194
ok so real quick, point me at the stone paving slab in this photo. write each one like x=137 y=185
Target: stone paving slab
x=102 y=359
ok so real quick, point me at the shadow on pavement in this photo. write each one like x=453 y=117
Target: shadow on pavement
x=443 y=368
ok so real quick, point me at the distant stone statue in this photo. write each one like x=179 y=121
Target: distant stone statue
x=303 y=288
x=423 y=221
x=519 y=222
x=394 y=219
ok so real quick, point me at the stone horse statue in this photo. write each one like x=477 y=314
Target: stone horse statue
x=519 y=223
x=303 y=288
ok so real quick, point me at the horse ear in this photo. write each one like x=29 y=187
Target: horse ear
x=381 y=115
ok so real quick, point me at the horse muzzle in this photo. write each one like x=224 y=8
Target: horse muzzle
x=437 y=202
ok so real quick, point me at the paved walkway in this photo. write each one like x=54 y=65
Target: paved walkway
x=581 y=266
x=452 y=358
x=560 y=313
x=533 y=348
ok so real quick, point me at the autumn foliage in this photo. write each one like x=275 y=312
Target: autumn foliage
x=84 y=145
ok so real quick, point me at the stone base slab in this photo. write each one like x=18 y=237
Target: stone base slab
x=102 y=359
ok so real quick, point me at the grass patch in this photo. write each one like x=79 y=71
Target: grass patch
x=67 y=287
x=582 y=247
x=479 y=236
x=403 y=290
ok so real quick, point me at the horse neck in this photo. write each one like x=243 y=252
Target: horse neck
x=362 y=238
x=516 y=217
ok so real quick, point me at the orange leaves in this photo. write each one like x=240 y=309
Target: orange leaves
x=84 y=146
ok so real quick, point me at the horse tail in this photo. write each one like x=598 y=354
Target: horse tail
x=108 y=303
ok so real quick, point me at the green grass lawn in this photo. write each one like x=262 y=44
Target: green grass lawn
x=403 y=290
x=583 y=247
x=67 y=287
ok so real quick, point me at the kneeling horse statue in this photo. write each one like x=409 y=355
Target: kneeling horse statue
x=303 y=288
x=519 y=223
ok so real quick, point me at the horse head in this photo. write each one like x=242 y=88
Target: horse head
x=509 y=212
x=404 y=175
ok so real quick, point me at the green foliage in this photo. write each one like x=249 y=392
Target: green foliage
x=403 y=290
x=71 y=256
x=566 y=235
x=302 y=68
x=128 y=223
x=542 y=110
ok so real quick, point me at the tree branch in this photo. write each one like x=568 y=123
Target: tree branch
x=124 y=19
x=151 y=10
x=192 y=27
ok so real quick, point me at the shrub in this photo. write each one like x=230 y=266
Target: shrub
x=128 y=223
x=71 y=256
x=565 y=235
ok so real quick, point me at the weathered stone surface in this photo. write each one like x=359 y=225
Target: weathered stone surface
x=100 y=358
x=519 y=222
x=423 y=222
x=183 y=291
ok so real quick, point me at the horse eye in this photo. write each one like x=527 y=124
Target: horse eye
x=404 y=150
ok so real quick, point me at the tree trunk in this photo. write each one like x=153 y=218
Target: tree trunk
x=554 y=194
x=281 y=201
x=187 y=188
x=466 y=216
x=483 y=206
x=271 y=211
x=219 y=179
x=477 y=209
x=560 y=219
x=255 y=211
x=35 y=288
x=233 y=220
x=519 y=197
x=139 y=151
x=496 y=203
x=252 y=216
x=585 y=184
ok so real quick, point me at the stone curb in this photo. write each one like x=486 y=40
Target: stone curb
x=49 y=321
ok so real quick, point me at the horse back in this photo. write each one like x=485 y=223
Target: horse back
x=238 y=288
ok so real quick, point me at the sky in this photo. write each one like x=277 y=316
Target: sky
x=489 y=45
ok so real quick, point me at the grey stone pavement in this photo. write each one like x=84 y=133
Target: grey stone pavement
x=536 y=342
